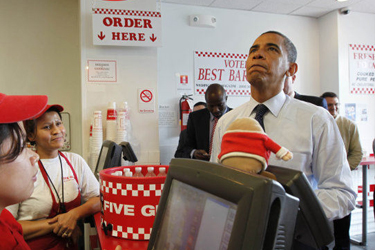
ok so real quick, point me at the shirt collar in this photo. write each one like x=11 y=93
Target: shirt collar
x=274 y=104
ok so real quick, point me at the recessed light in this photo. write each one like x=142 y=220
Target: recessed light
x=341 y=0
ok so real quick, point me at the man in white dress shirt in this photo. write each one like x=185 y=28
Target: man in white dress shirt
x=308 y=131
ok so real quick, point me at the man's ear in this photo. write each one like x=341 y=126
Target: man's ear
x=293 y=68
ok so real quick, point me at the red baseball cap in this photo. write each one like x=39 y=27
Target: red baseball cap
x=49 y=106
x=15 y=108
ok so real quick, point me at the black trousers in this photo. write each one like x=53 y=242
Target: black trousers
x=341 y=233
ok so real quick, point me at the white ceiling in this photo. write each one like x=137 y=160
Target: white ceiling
x=309 y=8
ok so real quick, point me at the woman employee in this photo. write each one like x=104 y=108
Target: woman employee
x=17 y=164
x=65 y=181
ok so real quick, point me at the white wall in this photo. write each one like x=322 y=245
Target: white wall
x=234 y=33
x=39 y=54
x=136 y=68
x=362 y=31
x=336 y=33
x=328 y=51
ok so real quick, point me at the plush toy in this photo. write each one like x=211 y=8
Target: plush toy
x=247 y=147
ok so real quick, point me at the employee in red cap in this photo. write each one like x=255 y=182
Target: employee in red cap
x=65 y=181
x=17 y=164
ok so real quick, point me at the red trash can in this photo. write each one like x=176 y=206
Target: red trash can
x=129 y=204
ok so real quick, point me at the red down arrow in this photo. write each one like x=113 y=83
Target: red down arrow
x=101 y=36
x=153 y=38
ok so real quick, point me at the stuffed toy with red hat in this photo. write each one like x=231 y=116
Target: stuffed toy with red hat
x=247 y=147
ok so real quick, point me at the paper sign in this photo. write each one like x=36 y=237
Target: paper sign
x=102 y=71
x=362 y=69
x=184 y=84
x=126 y=27
x=227 y=69
x=167 y=116
x=146 y=101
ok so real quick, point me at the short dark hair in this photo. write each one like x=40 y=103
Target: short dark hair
x=14 y=132
x=200 y=103
x=290 y=48
x=328 y=94
x=215 y=87
x=30 y=125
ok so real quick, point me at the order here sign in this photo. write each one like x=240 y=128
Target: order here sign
x=126 y=27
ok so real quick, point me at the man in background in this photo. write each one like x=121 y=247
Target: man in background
x=182 y=151
x=350 y=136
x=201 y=124
x=348 y=130
x=309 y=132
x=289 y=90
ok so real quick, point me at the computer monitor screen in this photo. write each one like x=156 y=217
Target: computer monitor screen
x=205 y=221
x=208 y=206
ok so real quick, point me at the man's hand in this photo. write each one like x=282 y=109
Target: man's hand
x=201 y=154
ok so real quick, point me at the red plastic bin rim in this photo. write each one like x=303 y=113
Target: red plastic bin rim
x=105 y=174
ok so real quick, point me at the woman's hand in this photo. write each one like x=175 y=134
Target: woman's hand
x=65 y=224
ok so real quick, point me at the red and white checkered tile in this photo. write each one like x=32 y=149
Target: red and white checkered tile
x=144 y=190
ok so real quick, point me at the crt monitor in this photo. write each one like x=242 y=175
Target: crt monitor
x=208 y=206
x=109 y=156
x=312 y=227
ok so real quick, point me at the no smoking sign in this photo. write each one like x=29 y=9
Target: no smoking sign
x=146 y=103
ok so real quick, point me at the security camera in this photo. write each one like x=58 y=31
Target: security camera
x=344 y=11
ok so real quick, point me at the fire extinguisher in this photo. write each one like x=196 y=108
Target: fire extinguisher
x=185 y=110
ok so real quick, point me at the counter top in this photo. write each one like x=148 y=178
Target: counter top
x=368 y=160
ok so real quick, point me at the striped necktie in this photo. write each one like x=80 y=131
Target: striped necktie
x=212 y=134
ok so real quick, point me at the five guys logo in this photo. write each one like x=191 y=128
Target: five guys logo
x=129 y=210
